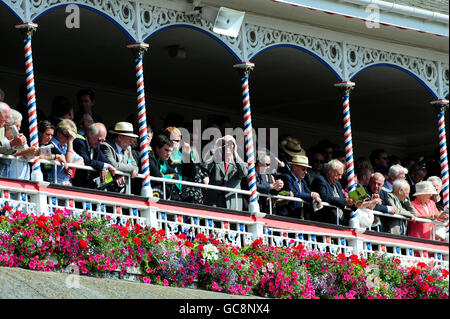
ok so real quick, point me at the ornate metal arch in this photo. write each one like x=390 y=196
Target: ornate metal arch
x=327 y=51
x=155 y=19
x=121 y=13
x=432 y=74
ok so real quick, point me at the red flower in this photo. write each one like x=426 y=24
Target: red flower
x=397 y=261
x=160 y=234
x=75 y=224
x=83 y=243
x=415 y=271
x=341 y=256
x=444 y=272
x=123 y=232
x=200 y=247
x=421 y=265
x=7 y=207
x=430 y=279
x=258 y=261
x=137 y=241
x=41 y=221
x=425 y=287
x=56 y=220
x=188 y=243
x=201 y=237
x=137 y=228
x=182 y=236
x=257 y=243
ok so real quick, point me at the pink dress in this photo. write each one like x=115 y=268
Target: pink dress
x=418 y=229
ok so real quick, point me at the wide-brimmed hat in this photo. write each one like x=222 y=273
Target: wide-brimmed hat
x=299 y=160
x=292 y=146
x=425 y=188
x=123 y=128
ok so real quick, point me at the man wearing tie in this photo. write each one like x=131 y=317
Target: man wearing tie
x=89 y=149
x=297 y=186
x=330 y=190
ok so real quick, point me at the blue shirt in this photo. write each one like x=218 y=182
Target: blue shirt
x=61 y=176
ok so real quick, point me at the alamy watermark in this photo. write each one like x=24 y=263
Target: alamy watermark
x=73 y=280
x=73 y=19
x=213 y=144
x=373 y=19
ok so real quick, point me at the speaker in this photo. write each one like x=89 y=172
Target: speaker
x=226 y=21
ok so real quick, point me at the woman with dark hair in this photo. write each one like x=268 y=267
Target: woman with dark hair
x=45 y=131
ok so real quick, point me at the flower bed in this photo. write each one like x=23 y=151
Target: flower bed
x=97 y=246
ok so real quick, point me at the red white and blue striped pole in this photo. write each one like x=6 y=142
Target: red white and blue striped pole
x=443 y=154
x=139 y=50
x=28 y=29
x=244 y=69
x=346 y=88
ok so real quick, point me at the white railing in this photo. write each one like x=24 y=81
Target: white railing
x=239 y=229
x=236 y=192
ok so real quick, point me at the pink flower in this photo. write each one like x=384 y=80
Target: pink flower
x=216 y=287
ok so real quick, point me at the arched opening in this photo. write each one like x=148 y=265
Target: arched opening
x=293 y=90
x=187 y=71
x=12 y=72
x=394 y=108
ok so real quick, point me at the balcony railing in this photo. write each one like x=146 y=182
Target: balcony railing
x=237 y=228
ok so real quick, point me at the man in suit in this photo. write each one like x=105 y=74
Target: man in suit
x=374 y=187
x=226 y=169
x=399 y=197
x=118 y=150
x=330 y=191
x=297 y=185
x=88 y=148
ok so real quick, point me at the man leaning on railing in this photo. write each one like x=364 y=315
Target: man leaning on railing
x=89 y=149
x=330 y=191
x=399 y=198
x=62 y=142
x=118 y=151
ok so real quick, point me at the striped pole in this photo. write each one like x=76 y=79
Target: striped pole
x=244 y=70
x=346 y=88
x=442 y=106
x=139 y=49
x=28 y=29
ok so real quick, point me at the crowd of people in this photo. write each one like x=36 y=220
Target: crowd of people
x=393 y=186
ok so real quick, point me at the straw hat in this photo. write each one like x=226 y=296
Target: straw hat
x=292 y=146
x=300 y=160
x=425 y=188
x=123 y=128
